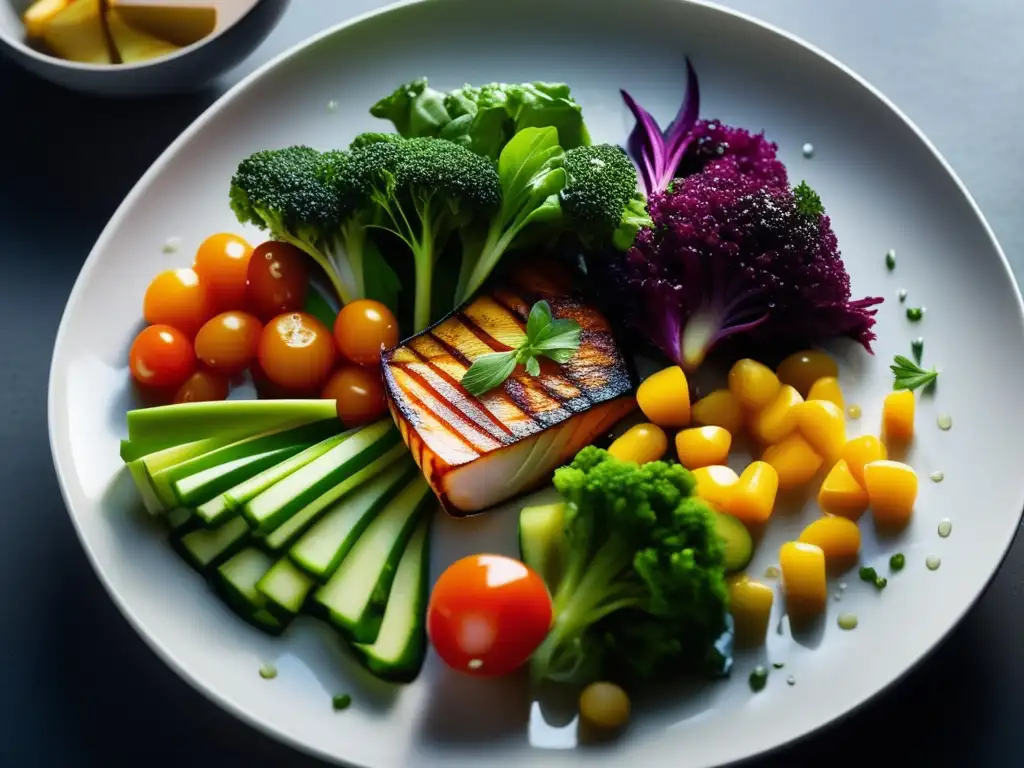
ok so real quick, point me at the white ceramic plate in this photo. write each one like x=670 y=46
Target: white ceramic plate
x=884 y=186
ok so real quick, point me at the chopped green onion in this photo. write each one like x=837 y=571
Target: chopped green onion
x=897 y=561
x=915 y=313
x=890 y=259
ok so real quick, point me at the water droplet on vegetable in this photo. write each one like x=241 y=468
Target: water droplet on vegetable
x=808 y=150
x=932 y=562
x=937 y=477
x=268 y=671
x=847 y=621
x=945 y=528
x=854 y=412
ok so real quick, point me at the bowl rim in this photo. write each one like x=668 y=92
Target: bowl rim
x=46 y=59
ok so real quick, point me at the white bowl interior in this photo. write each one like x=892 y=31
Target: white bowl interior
x=884 y=187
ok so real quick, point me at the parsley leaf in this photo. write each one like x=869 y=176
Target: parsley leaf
x=555 y=339
x=910 y=375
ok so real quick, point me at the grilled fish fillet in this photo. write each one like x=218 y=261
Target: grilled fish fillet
x=476 y=452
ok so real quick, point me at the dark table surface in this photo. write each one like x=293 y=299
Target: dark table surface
x=80 y=688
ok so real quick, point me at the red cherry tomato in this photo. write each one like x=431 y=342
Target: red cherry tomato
x=178 y=298
x=161 y=356
x=487 y=614
x=203 y=386
x=278 y=279
x=363 y=329
x=222 y=263
x=359 y=393
x=297 y=351
x=229 y=342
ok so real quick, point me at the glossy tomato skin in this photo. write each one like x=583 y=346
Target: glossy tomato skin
x=363 y=329
x=222 y=263
x=228 y=342
x=278 y=280
x=296 y=351
x=178 y=298
x=359 y=393
x=487 y=614
x=203 y=386
x=161 y=357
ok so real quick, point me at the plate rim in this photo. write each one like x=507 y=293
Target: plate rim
x=267 y=727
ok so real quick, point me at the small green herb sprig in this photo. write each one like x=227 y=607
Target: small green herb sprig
x=910 y=375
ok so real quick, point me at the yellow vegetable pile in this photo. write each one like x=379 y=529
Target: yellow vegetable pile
x=796 y=417
x=116 y=31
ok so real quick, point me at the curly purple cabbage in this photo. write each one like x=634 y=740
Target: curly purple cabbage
x=713 y=143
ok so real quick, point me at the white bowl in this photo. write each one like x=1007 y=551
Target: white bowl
x=188 y=69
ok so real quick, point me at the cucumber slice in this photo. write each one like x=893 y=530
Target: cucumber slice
x=203 y=486
x=286 y=534
x=542 y=544
x=203 y=549
x=215 y=512
x=322 y=548
x=237 y=497
x=285 y=588
x=353 y=600
x=160 y=498
x=397 y=654
x=236 y=579
x=180 y=517
x=278 y=503
x=739 y=546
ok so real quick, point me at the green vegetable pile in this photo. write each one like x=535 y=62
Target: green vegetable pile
x=487 y=171
x=642 y=588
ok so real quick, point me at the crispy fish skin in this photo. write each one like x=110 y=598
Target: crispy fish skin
x=476 y=452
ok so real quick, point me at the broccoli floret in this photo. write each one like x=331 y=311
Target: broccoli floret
x=600 y=197
x=374 y=137
x=422 y=190
x=290 y=193
x=643 y=589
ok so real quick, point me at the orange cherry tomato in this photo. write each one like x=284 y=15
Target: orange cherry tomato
x=359 y=393
x=296 y=351
x=222 y=263
x=203 y=386
x=229 y=342
x=363 y=329
x=278 y=278
x=178 y=298
x=161 y=356
x=487 y=614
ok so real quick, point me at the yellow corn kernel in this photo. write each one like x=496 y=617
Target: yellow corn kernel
x=794 y=460
x=802 y=369
x=860 y=451
x=823 y=424
x=703 y=446
x=827 y=388
x=716 y=485
x=892 y=491
x=841 y=494
x=664 y=397
x=837 y=537
x=754 y=499
x=778 y=419
x=803 y=579
x=750 y=603
x=754 y=384
x=640 y=443
x=720 y=408
x=898 y=416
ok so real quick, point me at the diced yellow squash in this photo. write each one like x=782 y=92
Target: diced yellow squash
x=754 y=499
x=178 y=22
x=754 y=384
x=803 y=579
x=841 y=494
x=860 y=451
x=794 y=460
x=892 y=491
x=664 y=397
x=898 y=416
x=640 y=443
x=802 y=369
x=827 y=388
x=76 y=33
x=777 y=419
x=38 y=15
x=720 y=408
x=823 y=424
x=134 y=45
x=716 y=485
x=750 y=603
x=703 y=446
x=837 y=537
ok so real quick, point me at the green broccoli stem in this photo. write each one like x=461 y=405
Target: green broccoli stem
x=493 y=249
x=336 y=282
